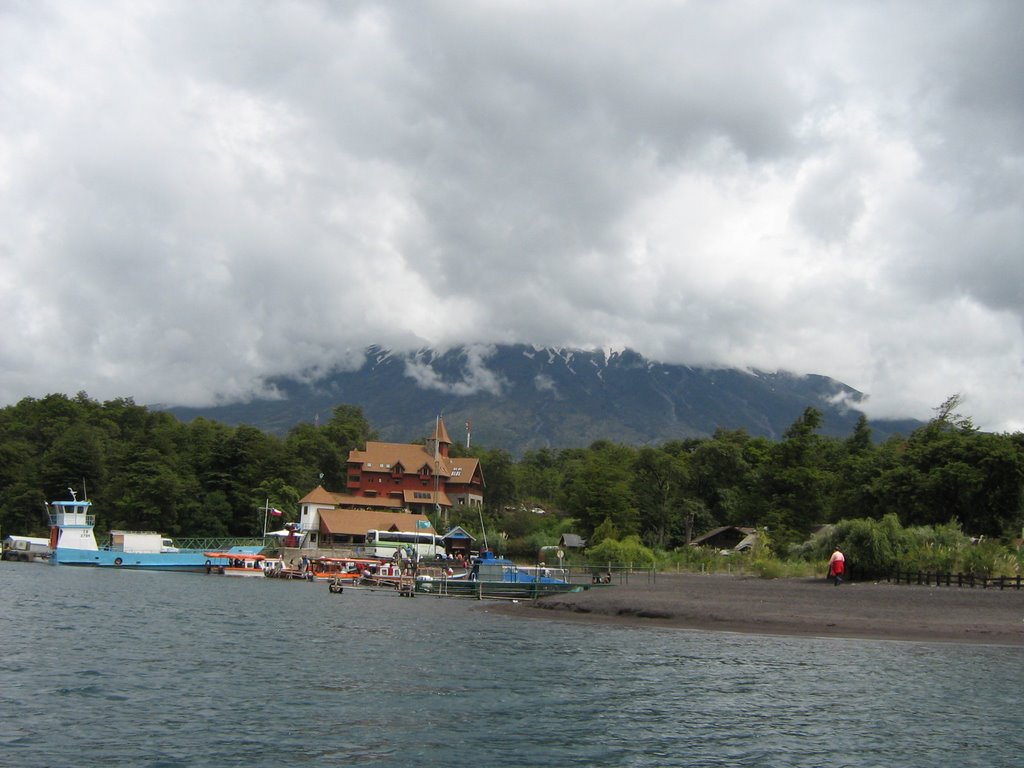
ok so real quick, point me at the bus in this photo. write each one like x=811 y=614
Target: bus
x=384 y=544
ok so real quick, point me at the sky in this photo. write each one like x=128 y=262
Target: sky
x=196 y=196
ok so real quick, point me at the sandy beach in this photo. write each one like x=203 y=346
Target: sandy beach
x=796 y=607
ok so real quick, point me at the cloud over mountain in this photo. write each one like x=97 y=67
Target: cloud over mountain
x=199 y=197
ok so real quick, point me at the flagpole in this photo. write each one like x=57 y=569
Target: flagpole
x=266 y=512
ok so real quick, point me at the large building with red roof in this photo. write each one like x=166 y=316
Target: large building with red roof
x=395 y=484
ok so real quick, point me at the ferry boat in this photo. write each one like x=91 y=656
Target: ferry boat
x=73 y=542
x=494 y=577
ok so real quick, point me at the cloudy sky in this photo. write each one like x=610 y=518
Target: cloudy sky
x=195 y=195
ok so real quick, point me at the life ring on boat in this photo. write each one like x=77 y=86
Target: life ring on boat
x=117 y=561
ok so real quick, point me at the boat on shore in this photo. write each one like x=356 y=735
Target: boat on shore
x=73 y=542
x=494 y=577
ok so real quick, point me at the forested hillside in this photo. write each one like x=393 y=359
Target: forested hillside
x=146 y=469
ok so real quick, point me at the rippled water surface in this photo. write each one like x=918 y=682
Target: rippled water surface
x=131 y=668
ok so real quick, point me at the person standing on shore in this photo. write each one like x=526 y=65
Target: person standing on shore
x=837 y=566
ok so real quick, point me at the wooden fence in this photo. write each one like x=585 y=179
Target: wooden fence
x=955 y=580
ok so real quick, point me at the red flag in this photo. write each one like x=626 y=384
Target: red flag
x=276 y=513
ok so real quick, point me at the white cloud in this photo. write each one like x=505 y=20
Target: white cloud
x=475 y=376
x=196 y=196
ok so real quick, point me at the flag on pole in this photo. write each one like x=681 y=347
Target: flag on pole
x=422 y=523
x=276 y=513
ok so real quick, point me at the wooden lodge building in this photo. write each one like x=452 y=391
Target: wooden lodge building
x=391 y=487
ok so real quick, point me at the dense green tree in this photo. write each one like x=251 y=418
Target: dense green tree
x=599 y=487
x=538 y=476
x=145 y=469
x=317 y=458
x=659 y=482
x=348 y=428
x=148 y=495
x=949 y=471
x=499 y=475
x=792 y=490
x=719 y=471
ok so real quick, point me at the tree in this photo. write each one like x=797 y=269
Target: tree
x=538 y=476
x=499 y=476
x=318 y=459
x=348 y=428
x=719 y=470
x=598 y=486
x=659 y=481
x=795 y=486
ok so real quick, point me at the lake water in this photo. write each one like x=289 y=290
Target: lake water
x=105 y=667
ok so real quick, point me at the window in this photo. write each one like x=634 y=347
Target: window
x=457 y=472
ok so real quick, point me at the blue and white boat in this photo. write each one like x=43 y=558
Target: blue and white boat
x=498 y=578
x=73 y=542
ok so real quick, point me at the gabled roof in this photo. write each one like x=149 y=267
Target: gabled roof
x=356 y=522
x=318 y=495
x=458 y=532
x=461 y=471
x=382 y=457
x=735 y=529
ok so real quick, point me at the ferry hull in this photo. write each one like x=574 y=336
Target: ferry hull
x=157 y=561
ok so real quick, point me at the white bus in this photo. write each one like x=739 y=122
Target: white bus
x=384 y=544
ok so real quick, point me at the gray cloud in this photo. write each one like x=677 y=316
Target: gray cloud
x=196 y=196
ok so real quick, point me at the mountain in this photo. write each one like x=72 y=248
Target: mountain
x=522 y=398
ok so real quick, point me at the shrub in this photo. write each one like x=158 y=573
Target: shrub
x=704 y=559
x=987 y=559
x=629 y=550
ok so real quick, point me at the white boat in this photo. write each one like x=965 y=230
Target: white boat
x=240 y=564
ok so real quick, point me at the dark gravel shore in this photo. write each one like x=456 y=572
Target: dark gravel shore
x=796 y=607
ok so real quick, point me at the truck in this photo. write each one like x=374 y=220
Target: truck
x=26 y=549
x=140 y=541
